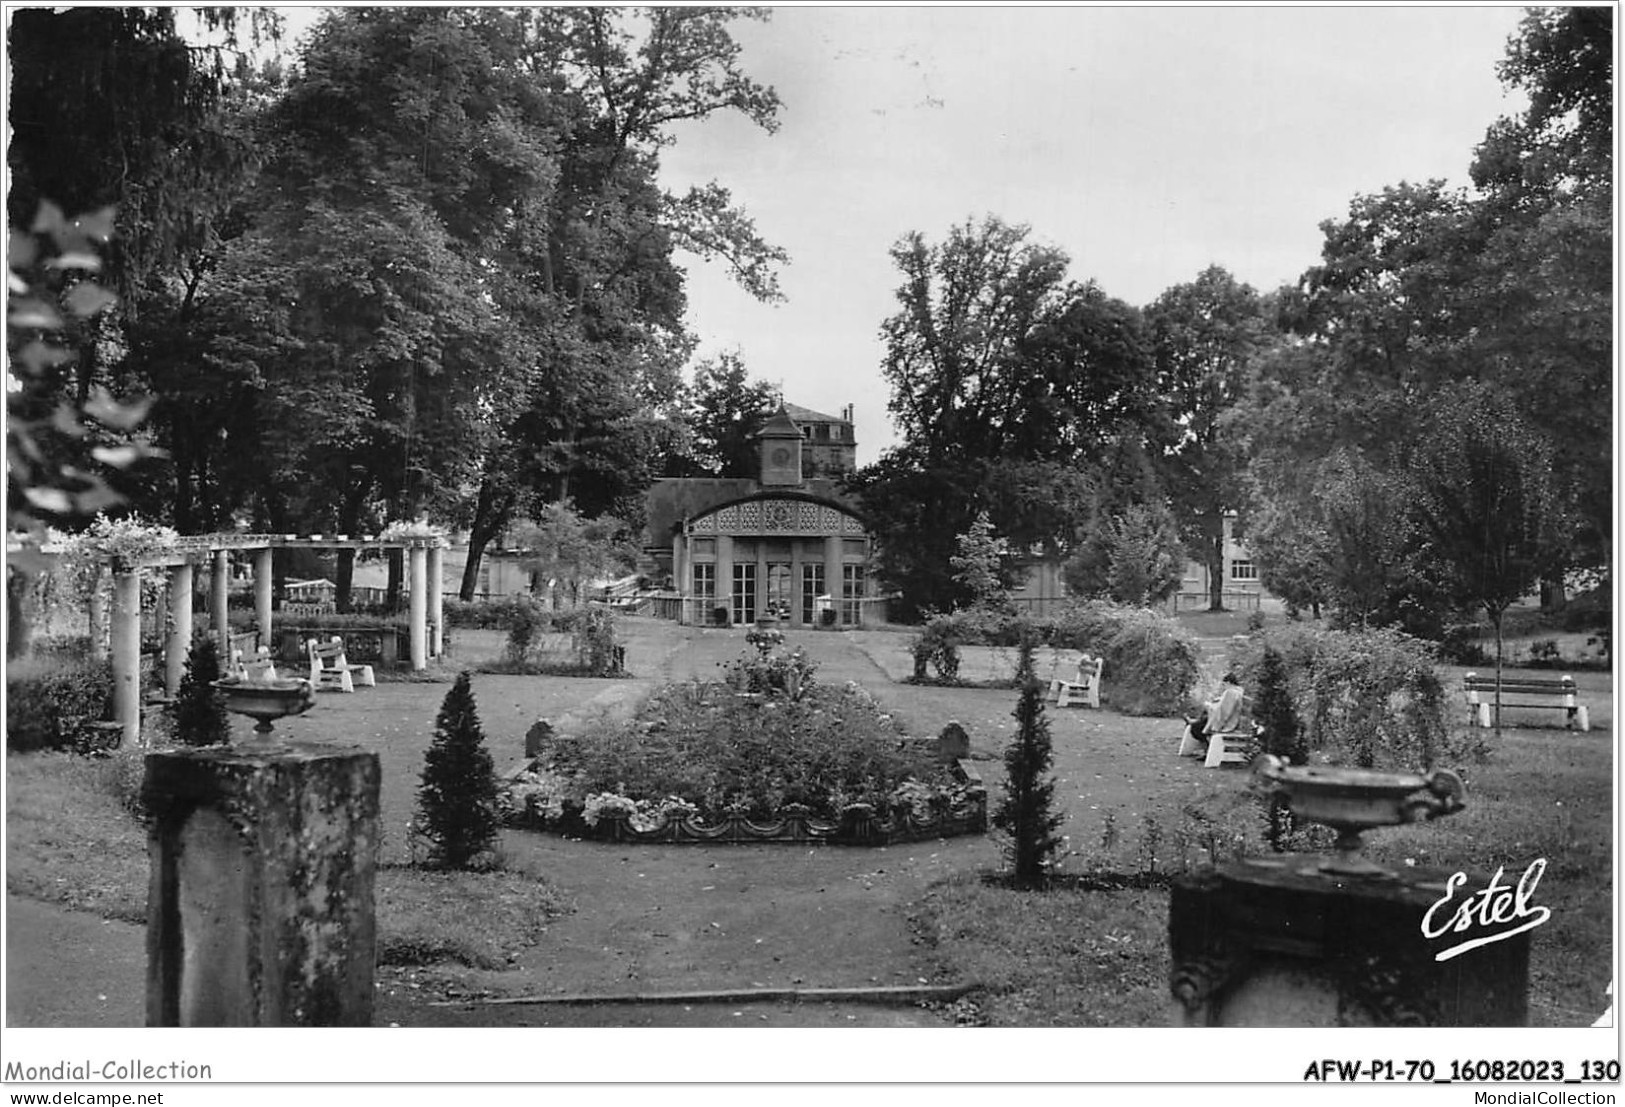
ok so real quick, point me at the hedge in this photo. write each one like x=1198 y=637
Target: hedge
x=1151 y=660
x=46 y=699
x=1370 y=698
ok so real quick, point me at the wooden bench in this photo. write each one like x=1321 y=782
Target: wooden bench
x=1084 y=688
x=1523 y=691
x=330 y=671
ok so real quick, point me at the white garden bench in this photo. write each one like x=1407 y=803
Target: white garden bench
x=1084 y=688
x=259 y=670
x=330 y=670
x=1522 y=691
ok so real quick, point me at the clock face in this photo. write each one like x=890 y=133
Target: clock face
x=781 y=456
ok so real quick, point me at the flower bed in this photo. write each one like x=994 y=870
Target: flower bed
x=764 y=756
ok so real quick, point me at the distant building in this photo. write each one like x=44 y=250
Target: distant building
x=829 y=446
x=1242 y=590
x=787 y=543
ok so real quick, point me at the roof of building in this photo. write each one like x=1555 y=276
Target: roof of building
x=780 y=426
x=808 y=415
x=670 y=500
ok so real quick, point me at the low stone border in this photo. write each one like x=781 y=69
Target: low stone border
x=858 y=824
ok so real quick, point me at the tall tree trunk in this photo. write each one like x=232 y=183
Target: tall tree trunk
x=492 y=512
x=397 y=565
x=1215 y=570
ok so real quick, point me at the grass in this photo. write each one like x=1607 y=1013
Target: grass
x=1077 y=957
x=73 y=839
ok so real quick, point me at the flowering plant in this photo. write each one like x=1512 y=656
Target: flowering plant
x=540 y=792
x=418 y=528
x=602 y=804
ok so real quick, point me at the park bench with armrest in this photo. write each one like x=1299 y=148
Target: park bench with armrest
x=1084 y=688
x=260 y=668
x=1525 y=691
x=1233 y=746
x=329 y=669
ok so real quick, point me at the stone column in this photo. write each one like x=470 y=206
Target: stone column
x=680 y=567
x=127 y=655
x=262 y=594
x=260 y=908
x=437 y=602
x=832 y=576
x=98 y=615
x=1278 y=941
x=725 y=577
x=418 y=606
x=219 y=583
x=179 y=642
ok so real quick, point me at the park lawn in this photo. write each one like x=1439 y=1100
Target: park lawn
x=72 y=838
x=1099 y=958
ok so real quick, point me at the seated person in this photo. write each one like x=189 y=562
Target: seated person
x=1222 y=715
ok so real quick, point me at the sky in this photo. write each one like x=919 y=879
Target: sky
x=1145 y=142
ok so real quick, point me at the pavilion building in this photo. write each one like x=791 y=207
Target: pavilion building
x=786 y=543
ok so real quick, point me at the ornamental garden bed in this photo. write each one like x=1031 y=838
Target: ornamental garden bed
x=766 y=755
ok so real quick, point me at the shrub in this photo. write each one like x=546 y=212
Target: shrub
x=1151 y=659
x=699 y=745
x=527 y=622
x=592 y=635
x=938 y=645
x=1025 y=813
x=770 y=672
x=1369 y=698
x=48 y=698
x=200 y=708
x=457 y=799
x=1282 y=736
x=492 y=614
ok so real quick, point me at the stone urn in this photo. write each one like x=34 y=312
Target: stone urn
x=1352 y=801
x=265 y=700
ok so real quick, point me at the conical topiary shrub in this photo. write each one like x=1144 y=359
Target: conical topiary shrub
x=1025 y=813
x=457 y=799
x=200 y=708
x=1283 y=736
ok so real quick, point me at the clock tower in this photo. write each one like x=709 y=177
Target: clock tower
x=781 y=451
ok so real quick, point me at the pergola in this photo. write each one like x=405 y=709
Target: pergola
x=214 y=551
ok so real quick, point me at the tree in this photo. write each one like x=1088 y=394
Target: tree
x=953 y=349
x=1486 y=501
x=1134 y=557
x=726 y=412
x=565 y=549
x=979 y=566
x=1018 y=393
x=1203 y=335
x=457 y=796
x=1025 y=812
x=200 y=708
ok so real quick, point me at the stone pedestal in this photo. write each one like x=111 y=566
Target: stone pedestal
x=260 y=911
x=1275 y=942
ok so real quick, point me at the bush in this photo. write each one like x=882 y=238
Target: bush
x=592 y=634
x=1025 y=814
x=457 y=799
x=1151 y=660
x=200 y=707
x=699 y=747
x=938 y=645
x=47 y=700
x=1369 y=698
x=528 y=620
x=494 y=614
